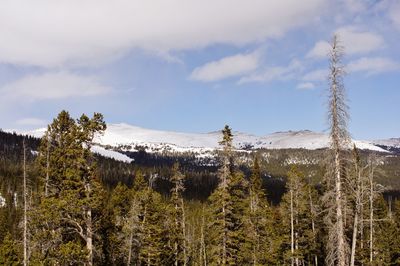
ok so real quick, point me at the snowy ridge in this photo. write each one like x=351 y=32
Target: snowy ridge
x=392 y=142
x=124 y=137
x=153 y=140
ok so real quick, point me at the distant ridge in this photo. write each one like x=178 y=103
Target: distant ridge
x=130 y=137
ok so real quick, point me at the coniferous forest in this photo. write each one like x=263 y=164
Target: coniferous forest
x=64 y=205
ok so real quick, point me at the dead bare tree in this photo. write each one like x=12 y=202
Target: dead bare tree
x=25 y=207
x=46 y=186
x=313 y=215
x=356 y=186
x=337 y=246
x=374 y=190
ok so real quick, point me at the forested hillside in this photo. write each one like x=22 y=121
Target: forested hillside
x=179 y=201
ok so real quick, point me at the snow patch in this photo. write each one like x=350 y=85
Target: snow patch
x=111 y=154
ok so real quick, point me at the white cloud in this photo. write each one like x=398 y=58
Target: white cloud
x=31 y=121
x=394 y=14
x=57 y=85
x=373 y=65
x=358 y=42
x=305 y=86
x=316 y=75
x=320 y=49
x=355 y=6
x=53 y=33
x=274 y=73
x=226 y=67
x=354 y=40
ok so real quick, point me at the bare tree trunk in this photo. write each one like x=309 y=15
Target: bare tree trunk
x=339 y=215
x=46 y=185
x=371 y=214
x=313 y=224
x=25 y=209
x=354 y=239
x=291 y=227
x=362 y=218
x=202 y=241
x=184 y=233
x=339 y=138
x=297 y=222
x=132 y=224
x=89 y=237
x=358 y=205
x=89 y=229
x=225 y=230
x=345 y=210
x=176 y=246
x=128 y=263
x=224 y=238
x=255 y=236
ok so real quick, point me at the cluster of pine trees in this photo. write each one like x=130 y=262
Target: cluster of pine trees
x=68 y=216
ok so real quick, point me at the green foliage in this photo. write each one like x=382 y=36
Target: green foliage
x=145 y=228
x=70 y=203
x=10 y=252
x=71 y=253
x=298 y=209
x=228 y=204
x=259 y=231
x=177 y=228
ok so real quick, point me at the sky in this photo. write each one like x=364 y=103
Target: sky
x=194 y=66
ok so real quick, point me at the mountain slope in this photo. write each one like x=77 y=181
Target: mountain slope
x=132 y=138
x=124 y=134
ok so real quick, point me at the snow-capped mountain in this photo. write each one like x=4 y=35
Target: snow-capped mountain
x=124 y=137
x=118 y=135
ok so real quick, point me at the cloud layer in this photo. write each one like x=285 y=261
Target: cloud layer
x=31 y=121
x=50 y=86
x=354 y=40
x=373 y=65
x=226 y=67
x=53 y=33
x=274 y=73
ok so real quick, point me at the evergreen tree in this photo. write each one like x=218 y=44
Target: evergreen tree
x=220 y=204
x=119 y=207
x=260 y=227
x=237 y=206
x=228 y=205
x=146 y=227
x=383 y=230
x=393 y=239
x=298 y=219
x=68 y=211
x=177 y=213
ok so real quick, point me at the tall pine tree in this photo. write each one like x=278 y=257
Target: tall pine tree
x=228 y=205
x=177 y=213
x=65 y=219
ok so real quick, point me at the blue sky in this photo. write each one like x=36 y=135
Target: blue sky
x=194 y=66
